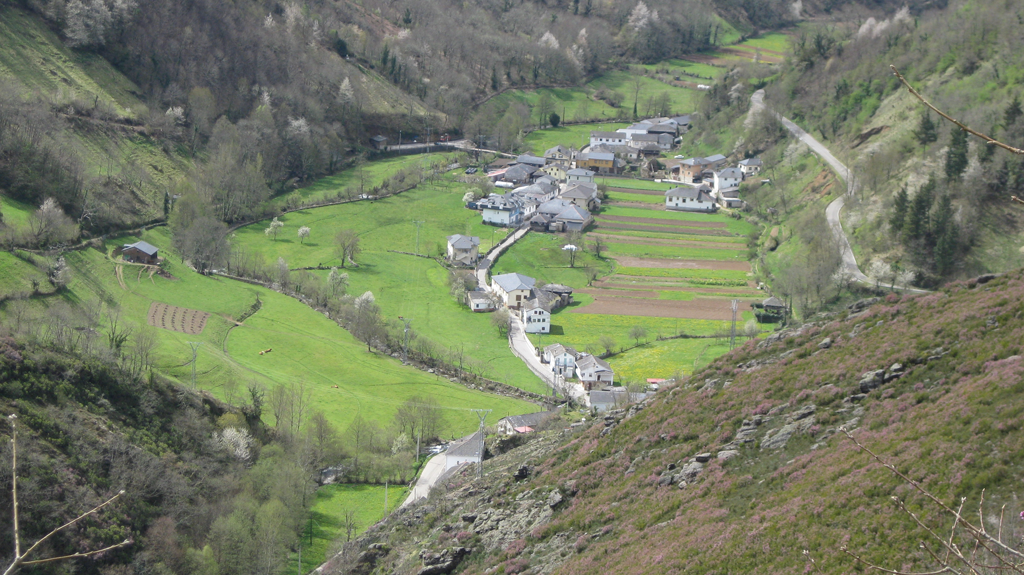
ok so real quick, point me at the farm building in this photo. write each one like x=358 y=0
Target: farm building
x=140 y=252
x=690 y=200
x=594 y=372
x=479 y=301
x=579 y=175
x=469 y=449
x=750 y=166
x=379 y=142
x=559 y=152
x=562 y=359
x=512 y=424
x=727 y=178
x=463 y=250
x=730 y=198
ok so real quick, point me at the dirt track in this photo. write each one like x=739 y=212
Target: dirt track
x=662 y=221
x=703 y=308
x=634 y=262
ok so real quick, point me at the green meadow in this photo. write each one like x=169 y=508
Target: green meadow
x=682 y=100
x=15 y=213
x=403 y=285
x=632 y=184
x=571 y=104
x=675 y=252
x=636 y=198
x=576 y=136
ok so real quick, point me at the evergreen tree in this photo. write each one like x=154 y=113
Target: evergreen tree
x=986 y=150
x=926 y=132
x=899 y=212
x=956 y=156
x=917 y=219
x=494 y=79
x=554 y=119
x=1012 y=113
x=945 y=250
x=942 y=218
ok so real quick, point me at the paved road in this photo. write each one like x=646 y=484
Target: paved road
x=832 y=212
x=523 y=348
x=431 y=472
x=485 y=263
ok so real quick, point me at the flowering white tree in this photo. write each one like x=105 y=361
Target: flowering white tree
x=275 y=226
x=303 y=234
x=237 y=442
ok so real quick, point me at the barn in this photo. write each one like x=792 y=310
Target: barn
x=140 y=252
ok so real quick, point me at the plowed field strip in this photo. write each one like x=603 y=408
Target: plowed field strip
x=634 y=262
x=704 y=308
x=681 y=230
x=662 y=222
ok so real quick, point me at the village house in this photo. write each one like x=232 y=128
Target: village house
x=513 y=289
x=501 y=210
x=519 y=174
x=582 y=194
x=727 y=178
x=379 y=142
x=594 y=372
x=716 y=161
x=579 y=175
x=530 y=160
x=774 y=305
x=636 y=129
x=729 y=197
x=608 y=138
x=525 y=423
x=682 y=122
x=562 y=292
x=575 y=218
x=600 y=162
x=463 y=250
x=561 y=360
x=539 y=192
x=469 y=449
x=141 y=253
x=750 y=166
x=556 y=170
x=691 y=170
x=558 y=153
x=687 y=199
x=479 y=301
x=535 y=318
x=651 y=141
x=665 y=128
x=541 y=223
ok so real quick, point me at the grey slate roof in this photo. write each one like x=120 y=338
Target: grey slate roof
x=734 y=173
x=589 y=361
x=557 y=150
x=531 y=160
x=579 y=172
x=514 y=281
x=552 y=208
x=750 y=162
x=608 y=135
x=144 y=247
x=461 y=242
x=773 y=302
x=573 y=213
x=528 y=419
x=715 y=158
x=470 y=446
x=600 y=156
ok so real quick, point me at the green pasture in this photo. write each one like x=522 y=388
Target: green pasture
x=737 y=227
x=637 y=198
x=727 y=34
x=576 y=136
x=632 y=184
x=15 y=214
x=571 y=104
x=403 y=285
x=674 y=236
x=327 y=516
x=37 y=60
x=683 y=100
x=774 y=41
x=680 y=252
x=540 y=256
x=19 y=277
x=661 y=359
x=307 y=347
x=679 y=67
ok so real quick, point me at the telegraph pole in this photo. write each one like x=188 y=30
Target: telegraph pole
x=482 y=414
x=195 y=352
x=732 y=335
x=418 y=224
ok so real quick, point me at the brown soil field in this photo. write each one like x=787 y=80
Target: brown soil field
x=763 y=50
x=637 y=205
x=606 y=225
x=714 y=289
x=652 y=281
x=634 y=262
x=644 y=294
x=663 y=242
x=704 y=308
x=174 y=318
x=664 y=222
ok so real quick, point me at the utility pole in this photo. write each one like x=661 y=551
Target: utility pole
x=385 y=498
x=482 y=414
x=195 y=352
x=418 y=224
x=405 y=345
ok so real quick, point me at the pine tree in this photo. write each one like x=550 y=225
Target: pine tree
x=494 y=79
x=898 y=218
x=945 y=250
x=956 y=156
x=942 y=219
x=1012 y=113
x=926 y=132
x=986 y=151
x=917 y=218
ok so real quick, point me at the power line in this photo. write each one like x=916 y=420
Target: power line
x=418 y=224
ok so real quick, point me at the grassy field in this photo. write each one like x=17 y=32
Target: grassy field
x=774 y=41
x=327 y=515
x=680 y=236
x=638 y=198
x=19 y=277
x=679 y=252
x=577 y=136
x=403 y=285
x=571 y=104
x=15 y=213
x=541 y=256
x=683 y=101
x=635 y=184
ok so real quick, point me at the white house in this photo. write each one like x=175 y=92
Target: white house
x=561 y=360
x=513 y=289
x=479 y=301
x=559 y=152
x=500 y=210
x=523 y=423
x=535 y=318
x=750 y=166
x=463 y=250
x=690 y=199
x=469 y=449
x=637 y=128
x=579 y=175
x=727 y=178
x=608 y=138
x=594 y=372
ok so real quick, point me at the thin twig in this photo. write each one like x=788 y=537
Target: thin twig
x=14 y=480
x=961 y=125
x=124 y=543
x=73 y=521
x=871 y=565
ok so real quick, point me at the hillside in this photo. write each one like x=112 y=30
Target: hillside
x=631 y=493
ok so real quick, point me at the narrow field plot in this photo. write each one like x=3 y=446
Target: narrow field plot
x=673 y=239
x=598 y=292
x=631 y=184
x=663 y=288
x=777 y=42
x=19 y=278
x=663 y=221
x=575 y=136
x=644 y=241
x=15 y=213
x=615 y=226
x=703 y=308
x=174 y=318
x=686 y=251
x=620 y=197
x=634 y=262
x=657 y=193
x=686 y=273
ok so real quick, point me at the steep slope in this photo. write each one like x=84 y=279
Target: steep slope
x=743 y=467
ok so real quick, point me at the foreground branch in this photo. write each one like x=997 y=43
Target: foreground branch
x=989 y=140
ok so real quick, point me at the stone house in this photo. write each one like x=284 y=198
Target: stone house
x=688 y=199
x=463 y=250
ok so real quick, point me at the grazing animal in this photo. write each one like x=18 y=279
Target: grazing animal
x=336 y=387
x=268 y=350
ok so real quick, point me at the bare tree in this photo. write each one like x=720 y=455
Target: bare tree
x=347 y=246
x=20 y=558
x=500 y=319
x=637 y=332
x=608 y=343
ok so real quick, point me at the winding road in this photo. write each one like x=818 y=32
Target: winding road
x=832 y=212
